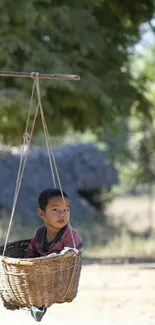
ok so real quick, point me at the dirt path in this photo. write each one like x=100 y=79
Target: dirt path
x=123 y=295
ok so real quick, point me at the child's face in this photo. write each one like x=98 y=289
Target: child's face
x=55 y=215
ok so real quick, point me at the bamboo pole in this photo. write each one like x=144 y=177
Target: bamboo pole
x=39 y=75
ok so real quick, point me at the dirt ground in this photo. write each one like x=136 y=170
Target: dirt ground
x=108 y=294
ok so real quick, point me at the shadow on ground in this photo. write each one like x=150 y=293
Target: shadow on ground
x=117 y=260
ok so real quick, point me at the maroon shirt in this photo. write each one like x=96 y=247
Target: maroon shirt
x=40 y=247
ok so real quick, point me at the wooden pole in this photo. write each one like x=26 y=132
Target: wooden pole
x=39 y=75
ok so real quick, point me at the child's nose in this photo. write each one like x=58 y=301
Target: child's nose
x=61 y=211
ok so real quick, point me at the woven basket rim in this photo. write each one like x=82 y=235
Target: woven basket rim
x=69 y=252
x=28 y=261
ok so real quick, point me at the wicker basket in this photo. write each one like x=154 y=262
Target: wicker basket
x=38 y=281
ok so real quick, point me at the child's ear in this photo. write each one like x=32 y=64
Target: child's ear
x=41 y=213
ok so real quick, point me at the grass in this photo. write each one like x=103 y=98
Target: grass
x=99 y=240
x=104 y=241
x=123 y=245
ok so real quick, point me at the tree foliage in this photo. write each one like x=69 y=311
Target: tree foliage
x=131 y=141
x=90 y=38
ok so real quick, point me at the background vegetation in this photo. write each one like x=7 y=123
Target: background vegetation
x=110 y=44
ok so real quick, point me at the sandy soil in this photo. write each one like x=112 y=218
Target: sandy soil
x=108 y=294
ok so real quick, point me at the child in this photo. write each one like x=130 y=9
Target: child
x=55 y=234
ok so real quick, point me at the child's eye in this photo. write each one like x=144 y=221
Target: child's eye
x=67 y=210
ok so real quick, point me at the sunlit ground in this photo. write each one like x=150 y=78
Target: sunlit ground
x=107 y=295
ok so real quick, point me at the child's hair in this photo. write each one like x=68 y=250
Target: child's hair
x=48 y=194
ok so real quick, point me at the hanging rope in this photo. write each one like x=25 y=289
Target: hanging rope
x=23 y=158
x=26 y=143
x=50 y=149
x=45 y=132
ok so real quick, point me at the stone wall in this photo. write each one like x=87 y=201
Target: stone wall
x=81 y=167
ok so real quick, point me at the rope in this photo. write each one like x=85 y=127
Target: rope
x=50 y=148
x=26 y=136
x=26 y=142
x=45 y=133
